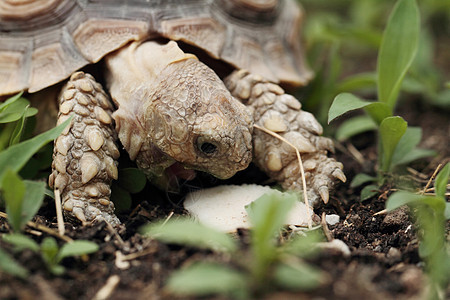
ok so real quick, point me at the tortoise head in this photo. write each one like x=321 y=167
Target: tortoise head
x=181 y=113
x=194 y=120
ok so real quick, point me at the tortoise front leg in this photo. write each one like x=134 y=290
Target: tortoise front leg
x=281 y=113
x=85 y=154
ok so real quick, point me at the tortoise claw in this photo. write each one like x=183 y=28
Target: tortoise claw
x=79 y=214
x=281 y=113
x=339 y=175
x=324 y=194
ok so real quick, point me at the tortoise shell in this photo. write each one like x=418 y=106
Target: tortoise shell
x=44 y=42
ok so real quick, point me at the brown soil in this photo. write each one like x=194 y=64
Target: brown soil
x=383 y=264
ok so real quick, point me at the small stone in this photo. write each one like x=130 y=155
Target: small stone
x=332 y=219
x=394 y=255
x=336 y=245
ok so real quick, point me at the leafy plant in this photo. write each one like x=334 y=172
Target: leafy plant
x=10 y=266
x=131 y=181
x=396 y=142
x=51 y=254
x=267 y=265
x=13 y=114
x=342 y=36
x=22 y=198
x=430 y=213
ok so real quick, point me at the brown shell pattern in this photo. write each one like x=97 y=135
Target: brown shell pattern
x=44 y=42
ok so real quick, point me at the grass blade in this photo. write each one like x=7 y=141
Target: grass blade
x=397 y=50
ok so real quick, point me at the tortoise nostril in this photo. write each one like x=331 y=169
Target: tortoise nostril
x=208 y=148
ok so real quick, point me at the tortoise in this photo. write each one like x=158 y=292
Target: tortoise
x=188 y=81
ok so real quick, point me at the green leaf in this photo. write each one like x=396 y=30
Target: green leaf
x=75 y=248
x=18 y=130
x=378 y=111
x=304 y=246
x=360 y=179
x=10 y=266
x=32 y=201
x=405 y=152
x=21 y=242
x=358 y=82
x=267 y=215
x=441 y=181
x=15 y=110
x=131 y=179
x=409 y=141
x=15 y=157
x=298 y=276
x=354 y=126
x=201 y=279
x=10 y=100
x=49 y=251
x=188 y=232
x=391 y=131
x=343 y=103
x=397 y=50
x=13 y=192
x=121 y=198
x=368 y=192
x=447 y=210
x=401 y=198
x=413 y=155
x=56 y=269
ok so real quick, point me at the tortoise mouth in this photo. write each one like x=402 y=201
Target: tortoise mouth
x=177 y=170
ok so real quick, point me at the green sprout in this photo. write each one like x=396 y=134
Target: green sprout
x=396 y=142
x=51 y=254
x=267 y=265
x=430 y=213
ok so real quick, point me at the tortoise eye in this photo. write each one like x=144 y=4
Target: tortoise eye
x=208 y=148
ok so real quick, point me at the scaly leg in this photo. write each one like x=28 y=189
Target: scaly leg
x=85 y=154
x=282 y=114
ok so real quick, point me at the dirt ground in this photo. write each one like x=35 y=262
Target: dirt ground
x=383 y=261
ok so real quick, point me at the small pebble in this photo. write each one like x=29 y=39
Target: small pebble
x=332 y=219
x=337 y=245
x=394 y=255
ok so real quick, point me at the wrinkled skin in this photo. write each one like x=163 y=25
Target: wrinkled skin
x=174 y=112
x=170 y=110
